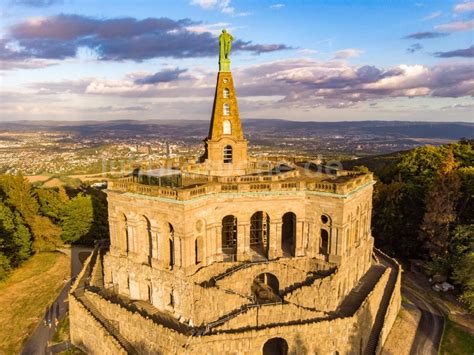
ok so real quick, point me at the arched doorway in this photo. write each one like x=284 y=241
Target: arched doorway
x=229 y=236
x=275 y=346
x=260 y=232
x=288 y=234
x=324 y=242
x=266 y=288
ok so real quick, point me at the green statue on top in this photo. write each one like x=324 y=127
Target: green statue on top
x=225 y=45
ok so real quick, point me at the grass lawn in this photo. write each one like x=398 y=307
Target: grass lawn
x=26 y=293
x=456 y=340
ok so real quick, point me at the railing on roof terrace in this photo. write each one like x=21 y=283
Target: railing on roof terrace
x=184 y=193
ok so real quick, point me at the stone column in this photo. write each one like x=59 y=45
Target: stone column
x=274 y=247
x=299 y=251
x=241 y=252
x=114 y=238
x=218 y=242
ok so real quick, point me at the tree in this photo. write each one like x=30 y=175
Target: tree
x=78 y=219
x=19 y=195
x=52 y=202
x=441 y=208
x=46 y=233
x=463 y=273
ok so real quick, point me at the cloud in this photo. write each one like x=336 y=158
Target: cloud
x=348 y=53
x=466 y=53
x=221 y=5
x=465 y=6
x=164 y=76
x=425 y=35
x=303 y=83
x=414 y=48
x=457 y=26
x=277 y=6
x=37 y=3
x=118 y=39
x=433 y=15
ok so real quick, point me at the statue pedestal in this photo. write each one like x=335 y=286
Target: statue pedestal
x=224 y=65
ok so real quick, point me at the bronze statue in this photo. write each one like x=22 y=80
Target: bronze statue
x=225 y=44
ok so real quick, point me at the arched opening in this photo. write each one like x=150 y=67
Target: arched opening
x=324 y=242
x=229 y=236
x=228 y=154
x=171 y=245
x=266 y=288
x=226 y=110
x=226 y=127
x=259 y=233
x=226 y=93
x=288 y=234
x=198 y=250
x=149 y=236
x=275 y=346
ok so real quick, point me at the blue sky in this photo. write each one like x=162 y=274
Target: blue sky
x=299 y=60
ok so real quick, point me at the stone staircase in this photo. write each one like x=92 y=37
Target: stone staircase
x=313 y=276
x=374 y=336
x=79 y=294
x=354 y=299
x=108 y=325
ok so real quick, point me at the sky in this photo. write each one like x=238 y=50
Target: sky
x=299 y=60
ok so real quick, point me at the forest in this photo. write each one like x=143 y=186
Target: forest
x=44 y=219
x=423 y=208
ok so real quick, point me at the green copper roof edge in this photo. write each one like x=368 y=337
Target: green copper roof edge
x=260 y=193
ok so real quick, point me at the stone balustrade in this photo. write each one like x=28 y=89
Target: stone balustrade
x=275 y=183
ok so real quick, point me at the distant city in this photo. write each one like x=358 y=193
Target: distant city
x=47 y=147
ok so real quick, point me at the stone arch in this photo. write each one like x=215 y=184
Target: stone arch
x=275 y=346
x=260 y=233
x=266 y=288
x=288 y=234
x=229 y=235
x=324 y=242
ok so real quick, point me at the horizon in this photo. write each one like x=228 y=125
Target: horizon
x=79 y=61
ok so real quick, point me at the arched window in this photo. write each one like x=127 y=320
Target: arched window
x=228 y=154
x=288 y=234
x=324 y=243
x=226 y=93
x=171 y=243
x=123 y=236
x=226 y=110
x=259 y=232
x=229 y=235
x=226 y=127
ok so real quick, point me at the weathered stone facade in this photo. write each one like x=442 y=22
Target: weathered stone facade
x=241 y=258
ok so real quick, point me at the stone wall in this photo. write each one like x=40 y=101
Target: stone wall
x=394 y=304
x=345 y=335
x=88 y=334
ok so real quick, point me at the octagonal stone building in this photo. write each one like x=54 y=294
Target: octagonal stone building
x=232 y=255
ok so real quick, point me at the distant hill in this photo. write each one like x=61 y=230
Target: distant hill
x=265 y=127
